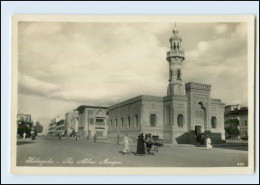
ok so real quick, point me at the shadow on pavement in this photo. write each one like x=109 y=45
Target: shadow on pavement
x=24 y=142
x=228 y=146
x=233 y=146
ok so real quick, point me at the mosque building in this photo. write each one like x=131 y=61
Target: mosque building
x=187 y=110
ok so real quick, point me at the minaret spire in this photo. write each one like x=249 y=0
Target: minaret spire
x=175 y=58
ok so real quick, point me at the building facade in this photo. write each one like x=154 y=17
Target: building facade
x=91 y=120
x=187 y=109
x=57 y=125
x=24 y=117
x=239 y=115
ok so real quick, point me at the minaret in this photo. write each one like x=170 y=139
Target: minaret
x=175 y=57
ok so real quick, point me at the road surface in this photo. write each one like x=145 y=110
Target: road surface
x=50 y=151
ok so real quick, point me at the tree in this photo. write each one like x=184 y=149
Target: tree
x=38 y=127
x=24 y=127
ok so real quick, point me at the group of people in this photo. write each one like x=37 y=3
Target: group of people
x=76 y=135
x=144 y=144
x=33 y=134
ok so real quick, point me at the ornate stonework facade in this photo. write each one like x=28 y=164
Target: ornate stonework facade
x=186 y=110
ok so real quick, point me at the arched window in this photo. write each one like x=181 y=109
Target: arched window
x=129 y=121
x=180 y=120
x=213 y=122
x=178 y=46
x=100 y=112
x=116 y=124
x=179 y=74
x=174 y=46
x=111 y=124
x=153 y=120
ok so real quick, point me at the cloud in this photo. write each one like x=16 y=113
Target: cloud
x=28 y=84
x=32 y=86
x=221 y=29
x=223 y=61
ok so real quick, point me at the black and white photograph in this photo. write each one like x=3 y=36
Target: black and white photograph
x=130 y=92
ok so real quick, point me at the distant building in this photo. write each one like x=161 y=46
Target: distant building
x=71 y=122
x=52 y=128
x=237 y=114
x=60 y=127
x=24 y=124
x=75 y=121
x=68 y=119
x=24 y=117
x=91 y=120
x=57 y=125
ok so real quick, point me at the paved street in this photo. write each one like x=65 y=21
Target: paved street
x=49 y=151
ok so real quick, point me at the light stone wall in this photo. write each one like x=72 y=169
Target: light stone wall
x=167 y=110
x=172 y=133
x=130 y=108
x=153 y=107
x=217 y=109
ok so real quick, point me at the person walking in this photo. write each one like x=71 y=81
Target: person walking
x=24 y=135
x=32 y=134
x=118 y=139
x=126 y=144
x=208 y=143
x=140 y=145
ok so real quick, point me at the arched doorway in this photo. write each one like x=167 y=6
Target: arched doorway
x=200 y=120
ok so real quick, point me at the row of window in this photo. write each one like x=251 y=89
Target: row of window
x=153 y=122
x=25 y=119
x=128 y=124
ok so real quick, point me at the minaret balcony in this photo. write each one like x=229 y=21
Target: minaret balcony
x=175 y=53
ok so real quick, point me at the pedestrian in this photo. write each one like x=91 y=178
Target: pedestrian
x=208 y=143
x=24 y=135
x=126 y=144
x=140 y=144
x=32 y=134
x=118 y=139
x=95 y=138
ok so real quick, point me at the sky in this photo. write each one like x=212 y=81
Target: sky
x=63 y=65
